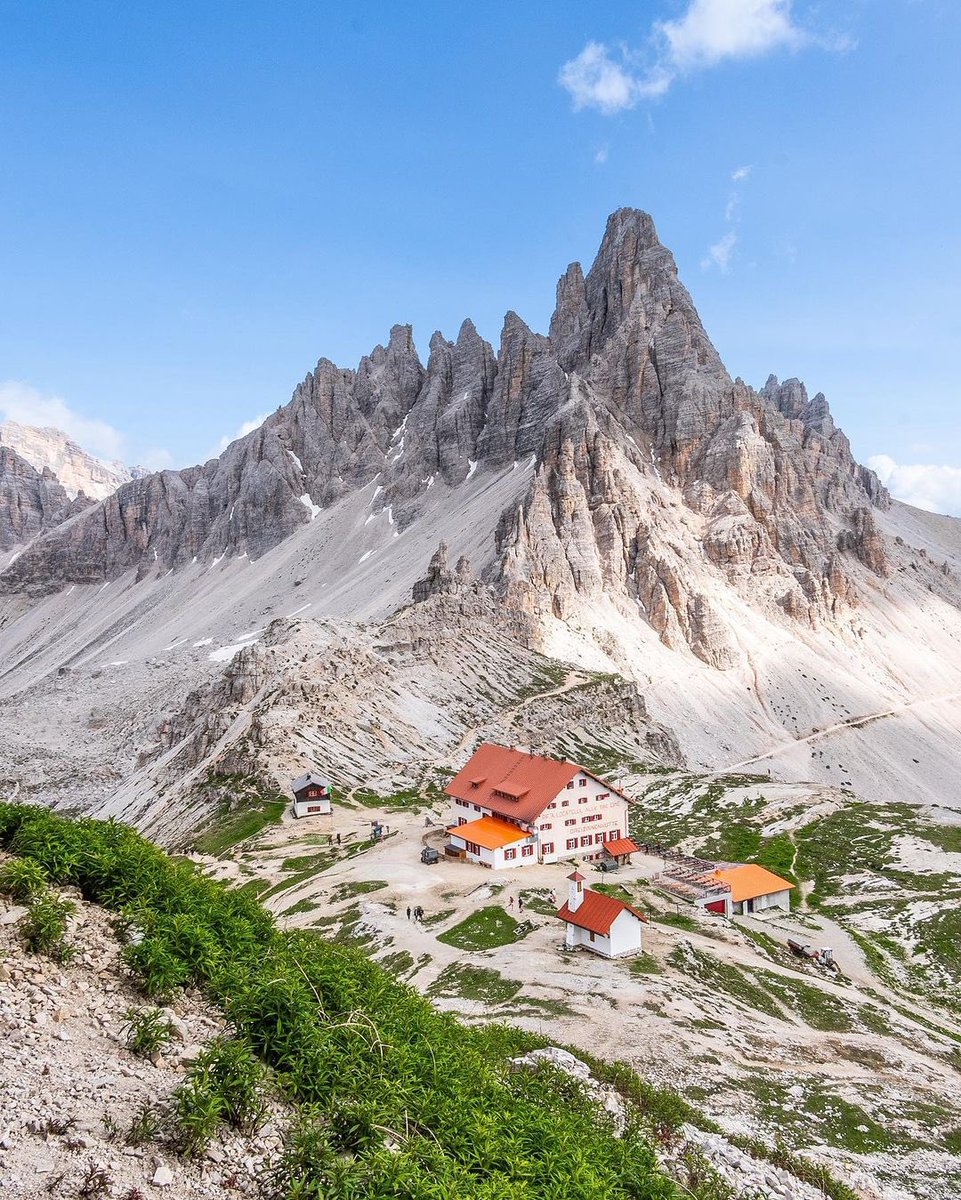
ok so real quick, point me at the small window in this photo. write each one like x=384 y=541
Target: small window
x=476 y=808
x=526 y=851
x=565 y=803
x=598 y=837
x=461 y=820
x=572 y=843
x=586 y=841
x=510 y=853
x=582 y=783
x=547 y=848
x=546 y=825
x=553 y=804
x=592 y=936
x=571 y=784
x=604 y=796
x=583 y=799
x=571 y=821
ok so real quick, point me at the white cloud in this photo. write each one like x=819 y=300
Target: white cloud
x=741 y=174
x=719 y=255
x=713 y=30
x=601 y=156
x=936 y=489
x=709 y=32
x=247 y=427
x=595 y=79
x=24 y=404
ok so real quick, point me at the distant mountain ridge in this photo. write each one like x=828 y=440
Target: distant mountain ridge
x=46 y=447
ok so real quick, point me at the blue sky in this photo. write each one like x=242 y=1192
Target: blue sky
x=199 y=200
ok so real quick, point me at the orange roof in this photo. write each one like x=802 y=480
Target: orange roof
x=748 y=881
x=526 y=783
x=597 y=912
x=621 y=846
x=489 y=832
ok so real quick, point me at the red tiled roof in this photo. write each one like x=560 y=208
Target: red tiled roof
x=489 y=832
x=527 y=782
x=619 y=846
x=597 y=912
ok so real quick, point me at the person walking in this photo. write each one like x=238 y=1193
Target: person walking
x=510 y=902
x=520 y=904
x=408 y=912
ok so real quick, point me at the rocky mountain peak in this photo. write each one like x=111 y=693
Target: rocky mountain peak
x=621 y=412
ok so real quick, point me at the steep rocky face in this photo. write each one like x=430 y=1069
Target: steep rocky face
x=76 y=470
x=659 y=478
x=31 y=501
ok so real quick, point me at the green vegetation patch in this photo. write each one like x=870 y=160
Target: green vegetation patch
x=246 y=806
x=474 y=983
x=356 y=887
x=484 y=929
x=724 y=978
x=815 y=1006
x=645 y=964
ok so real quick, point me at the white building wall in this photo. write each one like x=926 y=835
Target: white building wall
x=774 y=900
x=318 y=807
x=608 y=817
x=625 y=935
x=577 y=937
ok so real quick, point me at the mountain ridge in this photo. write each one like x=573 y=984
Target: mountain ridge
x=627 y=371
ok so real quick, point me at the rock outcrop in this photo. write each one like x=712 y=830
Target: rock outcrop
x=31 y=501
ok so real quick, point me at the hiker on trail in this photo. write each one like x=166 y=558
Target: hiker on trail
x=338 y=839
x=520 y=904
x=408 y=912
x=419 y=913
x=510 y=902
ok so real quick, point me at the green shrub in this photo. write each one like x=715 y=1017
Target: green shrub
x=148 y=1030
x=22 y=879
x=231 y=1071
x=197 y=1115
x=45 y=925
x=146 y=1126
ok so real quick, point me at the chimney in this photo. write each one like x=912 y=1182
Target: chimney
x=576 y=891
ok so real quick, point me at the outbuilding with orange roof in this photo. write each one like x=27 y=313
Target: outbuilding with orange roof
x=745 y=888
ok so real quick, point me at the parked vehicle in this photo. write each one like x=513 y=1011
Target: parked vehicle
x=608 y=865
x=429 y=855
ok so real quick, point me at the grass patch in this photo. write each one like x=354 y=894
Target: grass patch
x=484 y=929
x=645 y=964
x=356 y=887
x=438 y=918
x=817 y=1008
x=725 y=978
x=239 y=827
x=678 y=921
x=539 y=901
x=474 y=983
